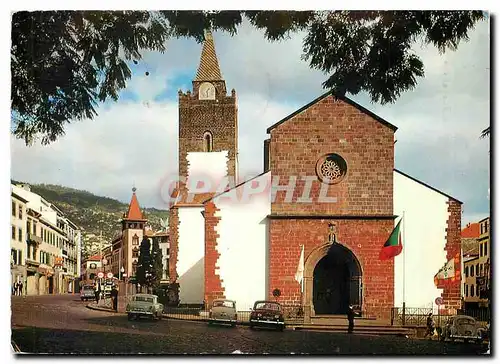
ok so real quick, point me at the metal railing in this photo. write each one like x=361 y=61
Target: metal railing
x=417 y=316
x=292 y=314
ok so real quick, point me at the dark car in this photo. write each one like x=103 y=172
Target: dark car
x=267 y=314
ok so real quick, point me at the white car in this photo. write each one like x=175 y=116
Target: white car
x=463 y=327
x=224 y=312
x=144 y=305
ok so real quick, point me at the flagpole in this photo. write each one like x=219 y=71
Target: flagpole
x=404 y=254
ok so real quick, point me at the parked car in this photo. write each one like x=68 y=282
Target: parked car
x=223 y=311
x=267 y=314
x=14 y=347
x=144 y=305
x=87 y=293
x=463 y=327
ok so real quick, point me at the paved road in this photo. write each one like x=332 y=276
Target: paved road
x=62 y=324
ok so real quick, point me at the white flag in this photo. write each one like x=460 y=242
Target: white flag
x=448 y=271
x=299 y=276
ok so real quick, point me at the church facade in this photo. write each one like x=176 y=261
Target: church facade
x=329 y=197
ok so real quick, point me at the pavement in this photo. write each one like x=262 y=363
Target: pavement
x=62 y=324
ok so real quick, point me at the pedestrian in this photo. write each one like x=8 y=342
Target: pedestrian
x=97 y=293
x=20 y=288
x=114 y=298
x=430 y=326
x=350 y=318
x=14 y=288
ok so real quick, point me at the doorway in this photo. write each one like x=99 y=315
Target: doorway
x=336 y=282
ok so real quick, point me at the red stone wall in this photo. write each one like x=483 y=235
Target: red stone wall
x=367 y=145
x=174 y=238
x=364 y=238
x=451 y=292
x=334 y=126
x=213 y=283
x=219 y=116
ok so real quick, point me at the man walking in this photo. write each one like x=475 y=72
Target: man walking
x=20 y=288
x=350 y=318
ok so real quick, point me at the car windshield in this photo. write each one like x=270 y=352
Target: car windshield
x=267 y=306
x=465 y=321
x=143 y=299
x=223 y=304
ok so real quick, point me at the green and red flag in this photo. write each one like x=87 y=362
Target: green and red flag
x=393 y=246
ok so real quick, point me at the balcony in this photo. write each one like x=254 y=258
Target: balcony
x=32 y=238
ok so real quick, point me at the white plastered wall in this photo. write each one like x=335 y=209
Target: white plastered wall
x=424 y=237
x=243 y=242
x=190 y=255
x=209 y=167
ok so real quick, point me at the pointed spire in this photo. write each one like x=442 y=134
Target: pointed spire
x=208 y=70
x=134 y=211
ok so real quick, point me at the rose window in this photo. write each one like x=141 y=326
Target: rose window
x=331 y=168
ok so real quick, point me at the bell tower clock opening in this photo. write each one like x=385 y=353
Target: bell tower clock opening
x=208 y=120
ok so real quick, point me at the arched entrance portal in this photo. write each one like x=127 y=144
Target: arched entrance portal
x=336 y=282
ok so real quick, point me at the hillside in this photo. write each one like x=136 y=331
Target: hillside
x=98 y=216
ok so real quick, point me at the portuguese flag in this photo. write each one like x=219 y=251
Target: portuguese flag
x=393 y=245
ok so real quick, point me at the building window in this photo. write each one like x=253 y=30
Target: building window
x=485 y=248
x=486 y=226
x=135 y=253
x=93 y=266
x=14 y=232
x=472 y=290
x=481 y=269
x=28 y=226
x=208 y=144
x=135 y=240
x=331 y=168
x=466 y=271
x=20 y=257
x=466 y=291
x=20 y=232
x=13 y=208
x=13 y=256
x=477 y=269
x=480 y=250
x=472 y=271
x=20 y=212
x=168 y=252
x=477 y=290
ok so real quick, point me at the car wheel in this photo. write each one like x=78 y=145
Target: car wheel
x=130 y=316
x=281 y=328
x=233 y=324
x=159 y=316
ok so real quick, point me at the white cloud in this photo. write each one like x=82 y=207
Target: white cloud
x=438 y=137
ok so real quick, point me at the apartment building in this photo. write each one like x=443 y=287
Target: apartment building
x=37 y=243
x=476 y=264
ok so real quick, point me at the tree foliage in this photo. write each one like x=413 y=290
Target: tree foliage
x=144 y=271
x=157 y=263
x=64 y=62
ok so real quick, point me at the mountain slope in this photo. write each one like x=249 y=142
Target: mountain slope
x=98 y=216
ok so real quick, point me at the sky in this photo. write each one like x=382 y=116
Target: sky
x=134 y=141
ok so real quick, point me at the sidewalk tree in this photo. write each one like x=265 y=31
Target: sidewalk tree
x=58 y=82
x=157 y=264
x=144 y=264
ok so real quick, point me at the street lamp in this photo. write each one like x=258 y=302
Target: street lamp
x=122 y=271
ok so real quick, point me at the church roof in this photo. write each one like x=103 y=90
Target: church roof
x=339 y=97
x=208 y=70
x=134 y=211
